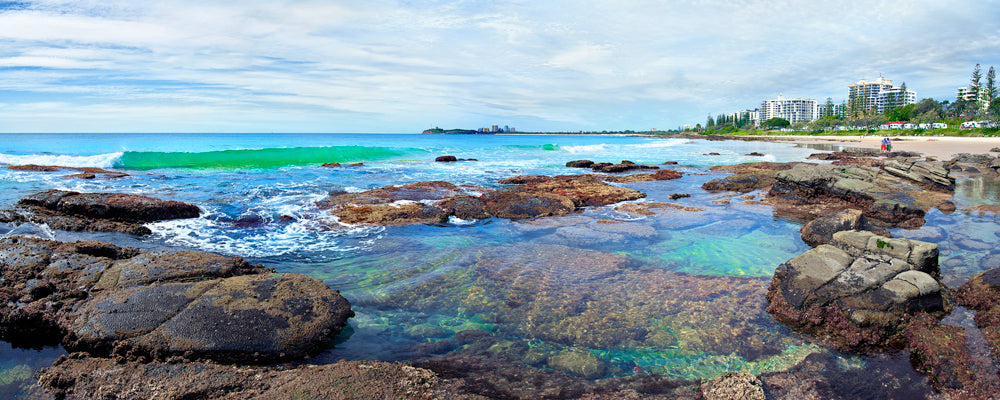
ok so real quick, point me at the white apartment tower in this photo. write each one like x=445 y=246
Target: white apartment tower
x=793 y=110
x=878 y=96
x=968 y=93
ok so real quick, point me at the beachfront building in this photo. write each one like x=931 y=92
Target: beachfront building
x=968 y=93
x=877 y=96
x=745 y=115
x=830 y=110
x=793 y=110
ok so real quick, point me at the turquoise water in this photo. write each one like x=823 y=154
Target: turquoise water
x=677 y=293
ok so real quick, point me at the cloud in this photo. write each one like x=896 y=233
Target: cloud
x=386 y=65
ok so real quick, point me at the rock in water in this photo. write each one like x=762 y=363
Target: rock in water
x=858 y=292
x=102 y=212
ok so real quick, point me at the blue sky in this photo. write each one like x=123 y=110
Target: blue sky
x=402 y=66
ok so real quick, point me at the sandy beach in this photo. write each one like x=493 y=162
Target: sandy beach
x=943 y=147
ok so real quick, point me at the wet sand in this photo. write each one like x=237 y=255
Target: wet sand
x=942 y=147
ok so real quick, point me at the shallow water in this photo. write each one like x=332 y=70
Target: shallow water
x=678 y=293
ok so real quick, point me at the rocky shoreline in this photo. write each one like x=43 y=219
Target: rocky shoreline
x=175 y=324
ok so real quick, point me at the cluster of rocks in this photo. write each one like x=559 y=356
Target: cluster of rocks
x=82 y=173
x=100 y=212
x=531 y=196
x=974 y=163
x=607 y=167
x=896 y=193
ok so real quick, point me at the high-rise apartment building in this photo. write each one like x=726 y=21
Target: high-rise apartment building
x=793 y=110
x=968 y=93
x=878 y=96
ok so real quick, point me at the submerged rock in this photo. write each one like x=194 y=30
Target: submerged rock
x=733 y=386
x=859 y=291
x=107 y=300
x=102 y=212
x=579 y=362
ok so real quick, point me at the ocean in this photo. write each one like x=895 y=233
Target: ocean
x=678 y=293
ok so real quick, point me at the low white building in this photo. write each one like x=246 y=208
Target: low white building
x=980 y=124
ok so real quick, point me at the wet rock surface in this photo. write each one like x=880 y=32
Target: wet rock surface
x=860 y=291
x=102 y=212
x=107 y=300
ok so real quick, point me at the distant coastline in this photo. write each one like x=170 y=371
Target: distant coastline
x=439 y=131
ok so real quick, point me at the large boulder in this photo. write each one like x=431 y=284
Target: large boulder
x=103 y=299
x=102 y=212
x=858 y=292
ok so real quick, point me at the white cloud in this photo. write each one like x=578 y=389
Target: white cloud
x=389 y=65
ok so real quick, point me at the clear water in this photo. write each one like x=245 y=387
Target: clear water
x=678 y=293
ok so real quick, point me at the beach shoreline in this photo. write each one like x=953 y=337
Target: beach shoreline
x=941 y=147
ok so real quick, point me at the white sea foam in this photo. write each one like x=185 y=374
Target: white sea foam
x=658 y=144
x=107 y=160
x=308 y=230
x=590 y=148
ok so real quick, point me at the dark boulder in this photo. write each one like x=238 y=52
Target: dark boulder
x=446 y=159
x=464 y=207
x=108 y=300
x=579 y=164
x=112 y=206
x=102 y=212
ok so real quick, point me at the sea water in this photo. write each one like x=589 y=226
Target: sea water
x=677 y=293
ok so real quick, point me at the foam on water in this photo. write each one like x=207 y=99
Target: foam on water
x=106 y=160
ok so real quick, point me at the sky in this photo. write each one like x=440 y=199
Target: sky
x=402 y=66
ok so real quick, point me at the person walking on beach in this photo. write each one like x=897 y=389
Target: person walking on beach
x=888 y=145
x=882 y=147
